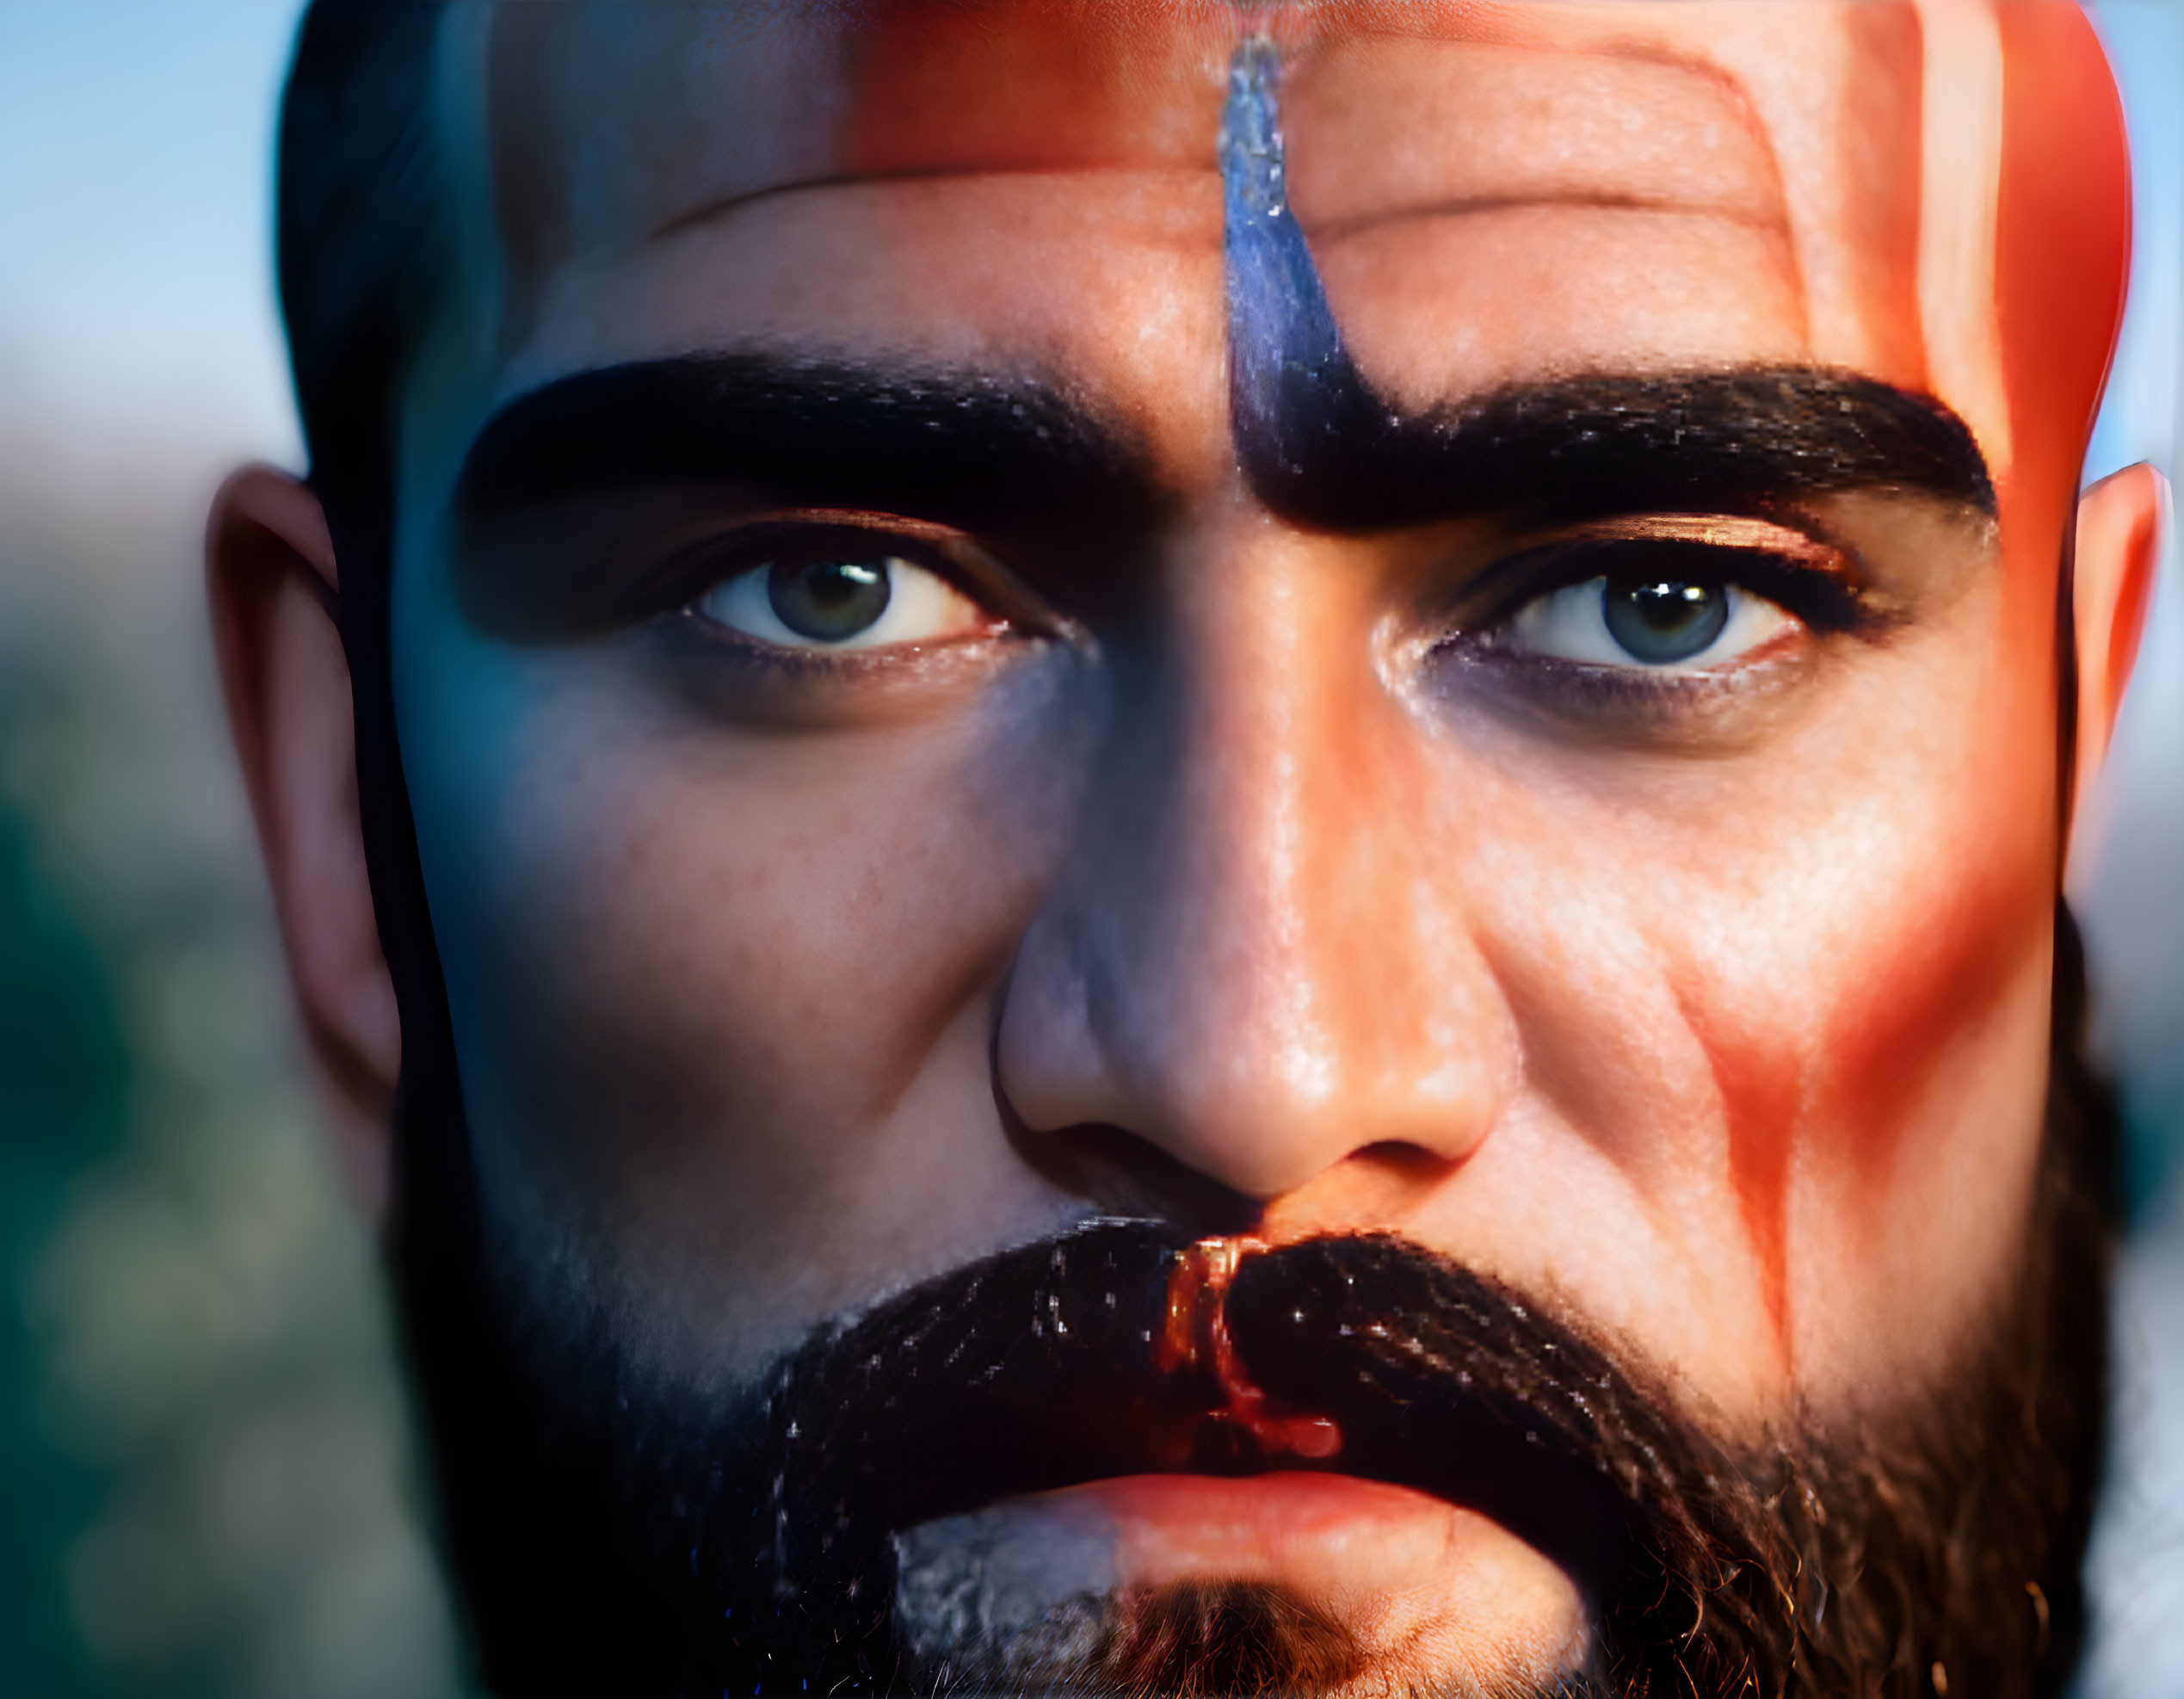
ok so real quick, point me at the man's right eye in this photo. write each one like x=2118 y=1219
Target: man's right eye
x=842 y=597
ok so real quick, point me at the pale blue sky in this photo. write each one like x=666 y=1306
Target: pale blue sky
x=135 y=174
x=2146 y=41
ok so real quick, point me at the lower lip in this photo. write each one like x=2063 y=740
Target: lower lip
x=1438 y=1589
x=1293 y=1529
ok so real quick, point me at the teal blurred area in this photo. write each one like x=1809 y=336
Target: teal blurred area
x=202 y=1450
x=207 y=1479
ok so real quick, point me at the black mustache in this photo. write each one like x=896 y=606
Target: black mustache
x=1041 y=1367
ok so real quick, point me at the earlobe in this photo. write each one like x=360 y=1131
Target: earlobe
x=2121 y=520
x=274 y=587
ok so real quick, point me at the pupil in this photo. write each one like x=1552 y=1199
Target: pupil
x=828 y=601
x=1663 y=620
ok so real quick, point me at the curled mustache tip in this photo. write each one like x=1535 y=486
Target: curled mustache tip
x=1195 y=1335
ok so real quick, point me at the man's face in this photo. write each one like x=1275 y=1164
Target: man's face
x=926 y=777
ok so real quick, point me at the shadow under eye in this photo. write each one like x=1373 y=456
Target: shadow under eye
x=1636 y=707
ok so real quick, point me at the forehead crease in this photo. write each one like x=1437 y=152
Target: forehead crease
x=1381 y=128
x=612 y=122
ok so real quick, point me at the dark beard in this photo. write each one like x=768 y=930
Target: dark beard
x=611 y=1535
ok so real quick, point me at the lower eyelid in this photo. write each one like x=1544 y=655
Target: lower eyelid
x=1645 y=707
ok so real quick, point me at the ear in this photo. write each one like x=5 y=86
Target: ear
x=275 y=591
x=2120 y=522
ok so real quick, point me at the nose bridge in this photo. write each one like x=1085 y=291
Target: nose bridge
x=1246 y=965
x=1240 y=856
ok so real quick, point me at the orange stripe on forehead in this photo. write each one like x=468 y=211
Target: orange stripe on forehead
x=2063 y=238
x=1058 y=85
x=1960 y=158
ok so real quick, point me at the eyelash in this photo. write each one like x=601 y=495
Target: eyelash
x=763 y=677
x=686 y=576
x=1827 y=603
x=1817 y=586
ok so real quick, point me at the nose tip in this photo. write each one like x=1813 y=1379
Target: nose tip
x=1258 y=961
x=1220 y=1084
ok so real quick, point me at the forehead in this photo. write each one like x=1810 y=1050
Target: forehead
x=1491 y=191
x=610 y=119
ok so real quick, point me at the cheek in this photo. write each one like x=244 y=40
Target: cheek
x=1950 y=898
x=1942 y=951
x=1783 y=1017
x=1877 y=1037
x=714 y=989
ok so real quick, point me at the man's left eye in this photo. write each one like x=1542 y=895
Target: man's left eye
x=1645 y=620
x=842 y=598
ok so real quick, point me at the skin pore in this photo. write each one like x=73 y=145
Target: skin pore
x=1198 y=846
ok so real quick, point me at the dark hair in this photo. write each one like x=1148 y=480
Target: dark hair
x=357 y=241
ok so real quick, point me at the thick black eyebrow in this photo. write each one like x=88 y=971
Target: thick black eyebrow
x=1032 y=468
x=1321 y=447
x=961 y=448
x=1744 y=440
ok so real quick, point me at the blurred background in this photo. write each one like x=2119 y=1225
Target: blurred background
x=205 y=1476
x=207 y=1484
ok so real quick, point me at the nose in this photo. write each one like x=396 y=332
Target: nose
x=1257 y=969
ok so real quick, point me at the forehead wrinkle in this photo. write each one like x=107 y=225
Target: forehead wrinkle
x=613 y=126
x=1389 y=130
x=1831 y=89
x=640 y=86
x=1827 y=85
x=1746 y=193
x=1328 y=234
x=715 y=212
x=1491 y=123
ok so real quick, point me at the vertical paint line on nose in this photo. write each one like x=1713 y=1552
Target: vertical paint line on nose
x=1292 y=389
x=1294 y=399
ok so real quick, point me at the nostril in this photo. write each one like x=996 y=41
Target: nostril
x=1121 y=1174
x=1405 y=1160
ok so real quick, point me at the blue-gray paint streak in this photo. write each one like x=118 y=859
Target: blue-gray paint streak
x=1291 y=385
